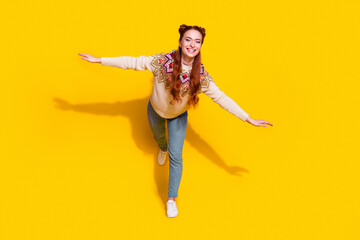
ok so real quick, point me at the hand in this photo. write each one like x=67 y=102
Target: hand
x=258 y=123
x=90 y=58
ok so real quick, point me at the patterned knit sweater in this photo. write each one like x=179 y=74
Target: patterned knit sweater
x=161 y=65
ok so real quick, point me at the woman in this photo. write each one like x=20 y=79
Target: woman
x=179 y=77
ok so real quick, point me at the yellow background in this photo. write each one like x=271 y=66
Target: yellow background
x=78 y=160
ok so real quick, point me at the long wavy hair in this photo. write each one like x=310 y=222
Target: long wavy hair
x=175 y=81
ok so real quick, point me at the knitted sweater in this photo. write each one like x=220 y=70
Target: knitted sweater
x=161 y=65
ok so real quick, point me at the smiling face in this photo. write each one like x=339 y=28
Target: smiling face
x=191 y=43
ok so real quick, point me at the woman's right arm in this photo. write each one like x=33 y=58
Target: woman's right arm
x=136 y=63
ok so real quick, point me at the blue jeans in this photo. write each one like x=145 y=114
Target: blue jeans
x=176 y=131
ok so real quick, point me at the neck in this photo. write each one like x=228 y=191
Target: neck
x=186 y=60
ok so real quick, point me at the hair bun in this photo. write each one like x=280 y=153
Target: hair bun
x=182 y=27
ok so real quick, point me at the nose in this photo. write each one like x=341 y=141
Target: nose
x=192 y=44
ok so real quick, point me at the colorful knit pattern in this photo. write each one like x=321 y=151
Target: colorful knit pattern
x=163 y=67
x=205 y=80
x=168 y=65
x=185 y=77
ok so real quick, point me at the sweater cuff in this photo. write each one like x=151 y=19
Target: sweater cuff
x=102 y=61
x=245 y=117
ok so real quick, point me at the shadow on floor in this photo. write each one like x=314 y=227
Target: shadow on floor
x=136 y=111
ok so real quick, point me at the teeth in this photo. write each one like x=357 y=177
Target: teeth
x=191 y=50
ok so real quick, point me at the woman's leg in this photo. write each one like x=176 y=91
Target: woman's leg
x=157 y=125
x=176 y=130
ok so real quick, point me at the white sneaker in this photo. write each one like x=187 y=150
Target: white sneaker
x=171 y=209
x=162 y=157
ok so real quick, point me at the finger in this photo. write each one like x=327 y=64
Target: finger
x=264 y=122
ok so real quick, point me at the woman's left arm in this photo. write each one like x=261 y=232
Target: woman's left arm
x=210 y=89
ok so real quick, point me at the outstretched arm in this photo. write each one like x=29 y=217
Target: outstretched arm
x=124 y=62
x=210 y=89
x=224 y=101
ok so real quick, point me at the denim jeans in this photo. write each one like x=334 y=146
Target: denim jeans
x=176 y=132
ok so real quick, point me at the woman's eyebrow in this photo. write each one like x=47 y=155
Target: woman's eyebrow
x=195 y=39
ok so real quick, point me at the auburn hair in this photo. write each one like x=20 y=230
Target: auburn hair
x=175 y=81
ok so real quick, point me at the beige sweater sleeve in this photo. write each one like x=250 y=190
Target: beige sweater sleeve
x=223 y=100
x=136 y=63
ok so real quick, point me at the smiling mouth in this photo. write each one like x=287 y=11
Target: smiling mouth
x=190 y=50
